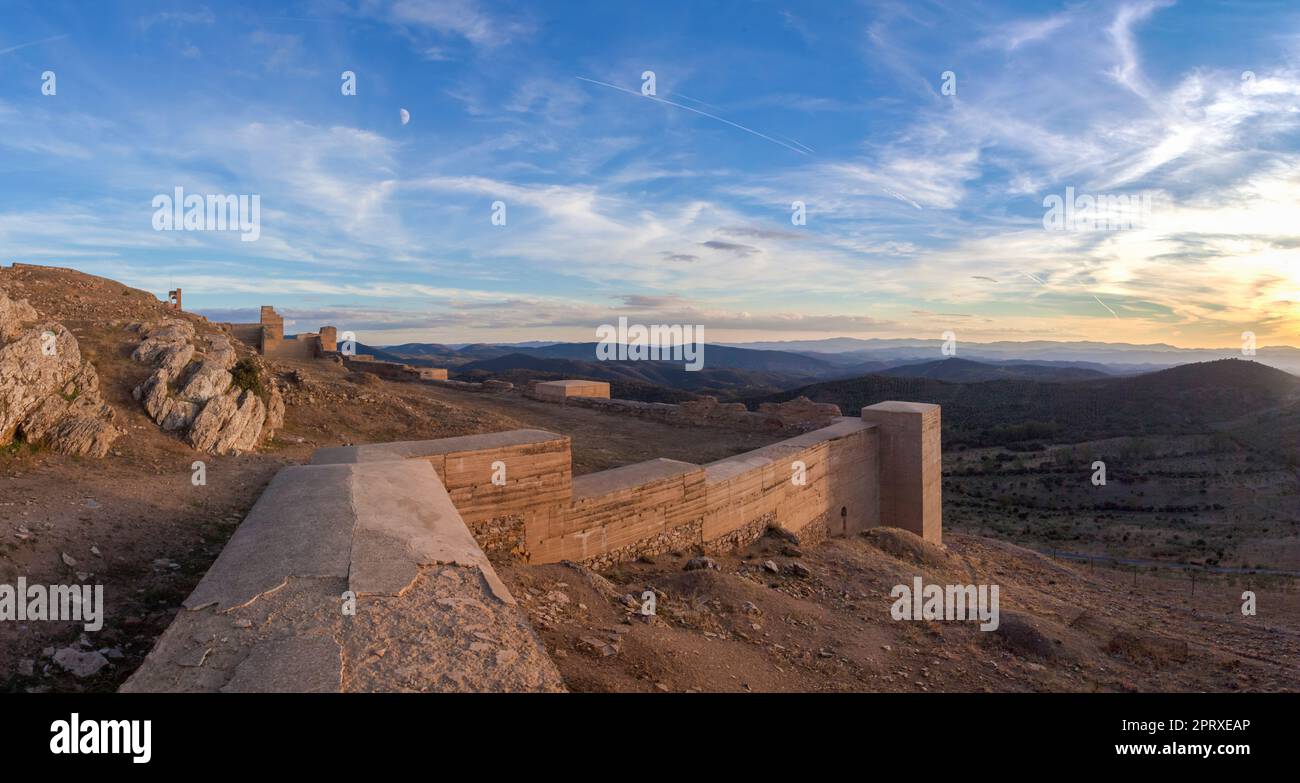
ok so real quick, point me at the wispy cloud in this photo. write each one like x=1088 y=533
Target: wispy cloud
x=16 y=47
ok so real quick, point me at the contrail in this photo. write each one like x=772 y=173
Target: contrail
x=1094 y=296
x=800 y=143
x=697 y=111
x=32 y=43
x=1103 y=304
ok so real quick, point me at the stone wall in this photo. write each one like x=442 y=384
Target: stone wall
x=533 y=478
x=267 y=337
x=820 y=483
x=300 y=346
x=394 y=371
x=911 y=466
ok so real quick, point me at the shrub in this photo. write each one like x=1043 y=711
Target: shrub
x=248 y=376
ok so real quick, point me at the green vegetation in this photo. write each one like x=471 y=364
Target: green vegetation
x=248 y=376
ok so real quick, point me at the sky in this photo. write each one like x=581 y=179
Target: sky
x=535 y=191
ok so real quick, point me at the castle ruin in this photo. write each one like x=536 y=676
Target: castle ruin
x=267 y=337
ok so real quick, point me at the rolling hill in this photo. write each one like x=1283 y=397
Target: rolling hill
x=1188 y=398
x=967 y=371
x=666 y=375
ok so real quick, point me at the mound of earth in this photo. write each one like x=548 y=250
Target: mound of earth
x=906 y=545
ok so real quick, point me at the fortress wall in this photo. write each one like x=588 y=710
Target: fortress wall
x=393 y=370
x=911 y=466
x=543 y=515
x=248 y=334
x=619 y=514
x=758 y=489
x=302 y=346
x=354 y=577
x=664 y=505
x=537 y=478
x=367 y=550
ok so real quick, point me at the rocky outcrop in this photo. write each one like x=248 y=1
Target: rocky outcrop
x=196 y=393
x=48 y=394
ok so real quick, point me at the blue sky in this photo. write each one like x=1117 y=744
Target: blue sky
x=925 y=210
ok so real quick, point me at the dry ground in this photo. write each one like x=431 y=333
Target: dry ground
x=743 y=628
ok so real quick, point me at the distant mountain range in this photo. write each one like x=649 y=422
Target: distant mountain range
x=1183 y=399
x=967 y=371
x=850 y=357
x=986 y=402
x=1115 y=358
x=759 y=368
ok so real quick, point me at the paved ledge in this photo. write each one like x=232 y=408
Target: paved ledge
x=629 y=476
x=729 y=467
x=430 y=612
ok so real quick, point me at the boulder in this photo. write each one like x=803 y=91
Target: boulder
x=208 y=381
x=214 y=416
x=179 y=415
x=48 y=394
